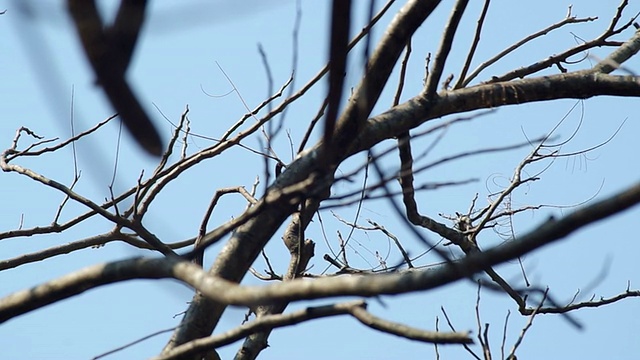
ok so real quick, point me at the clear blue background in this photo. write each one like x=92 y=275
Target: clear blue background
x=175 y=65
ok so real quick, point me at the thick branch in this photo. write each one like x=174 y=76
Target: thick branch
x=227 y=292
x=418 y=110
x=382 y=62
x=240 y=252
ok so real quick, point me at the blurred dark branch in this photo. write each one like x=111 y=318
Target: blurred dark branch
x=123 y=34
x=109 y=52
x=338 y=50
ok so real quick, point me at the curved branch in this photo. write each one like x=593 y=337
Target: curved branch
x=267 y=322
x=356 y=308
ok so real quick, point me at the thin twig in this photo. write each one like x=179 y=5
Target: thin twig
x=474 y=46
x=445 y=47
x=545 y=31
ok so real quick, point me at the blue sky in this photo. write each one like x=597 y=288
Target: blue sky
x=176 y=63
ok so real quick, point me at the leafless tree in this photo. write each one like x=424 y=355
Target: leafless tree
x=301 y=189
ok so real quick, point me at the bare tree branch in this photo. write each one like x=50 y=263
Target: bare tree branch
x=304 y=187
x=462 y=82
x=227 y=292
x=266 y=322
x=243 y=248
x=474 y=46
x=586 y=304
x=445 y=47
